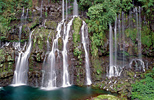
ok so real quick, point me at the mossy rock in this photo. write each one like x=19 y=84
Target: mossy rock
x=76 y=27
x=51 y=25
x=60 y=43
x=106 y=97
x=2 y=57
x=35 y=23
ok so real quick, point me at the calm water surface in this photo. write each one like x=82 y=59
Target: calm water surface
x=31 y=93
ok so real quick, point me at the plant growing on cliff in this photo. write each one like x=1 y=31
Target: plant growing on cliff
x=100 y=15
x=76 y=38
x=144 y=89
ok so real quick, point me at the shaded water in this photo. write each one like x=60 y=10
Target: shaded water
x=30 y=93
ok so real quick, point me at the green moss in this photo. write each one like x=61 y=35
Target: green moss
x=35 y=23
x=76 y=27
x=131 y=33
x=51 y=24
x=97 y=66
x=106 y=97
x=146 y=36
x=76 y=38
x=2 y=57
x=60 y=43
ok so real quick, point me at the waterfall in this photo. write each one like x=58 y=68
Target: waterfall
x=115 y=40
x=26 y=16
x=75 y=8
x=84 y=42
x=49 y=80
x=138 y=62
x=114 y=68
x=66 y=80
x=41 y=8
x=140 y=65
x=123 y=39
x=119 y=38
x=48 y=44
x=5 y=45
x=20 y=31
x=22 y=16
x=21 y=70
x=111 y=70
x=63 y=8
x=66 y=10
x=139 y=35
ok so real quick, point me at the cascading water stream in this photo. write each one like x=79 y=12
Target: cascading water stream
x=115 y=67
x=20 y=31
x=20 y=73
x=66 y=10
x=84 y=42
x=139 y=36
x=66 y=80
x=63 y=9
x=49 y=80
x=26 y=16
x=41 y=8
x=22 y=16
x=111 y=69
x=75 y=8
x=115 y=46
x=49 y=65
x=123 y=39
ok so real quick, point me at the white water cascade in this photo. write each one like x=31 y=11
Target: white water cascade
x=139 y=64
x=113 y=71
x=75 y=8
x=41 y=8
x=66 y=80
x=22 y=16
x=84 y=30
x=119 y=55
x=51 y=64
x=63 y=9
x=20 y=73
x=49 y=72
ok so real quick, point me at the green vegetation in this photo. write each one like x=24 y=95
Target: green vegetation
x=8 y=13
x=76 y=26
x=101 y=13
x=107 y=97
x=147 y=5
x=144 y=89
x=76 y=38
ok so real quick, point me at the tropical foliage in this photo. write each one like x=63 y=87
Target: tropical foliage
x=144 y=89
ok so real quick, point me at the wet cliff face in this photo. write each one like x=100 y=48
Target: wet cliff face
x=45 y=29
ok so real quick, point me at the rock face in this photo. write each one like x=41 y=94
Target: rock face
x=45 y=29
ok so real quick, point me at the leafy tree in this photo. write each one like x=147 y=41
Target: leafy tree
x=100 y=16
